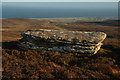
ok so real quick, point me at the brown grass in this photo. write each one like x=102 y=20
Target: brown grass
x=43 y=64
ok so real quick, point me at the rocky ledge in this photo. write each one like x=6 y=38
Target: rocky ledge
x=62 y=41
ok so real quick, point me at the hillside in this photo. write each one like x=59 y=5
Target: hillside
x=44 y=64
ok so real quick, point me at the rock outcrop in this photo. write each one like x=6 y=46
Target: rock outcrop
x=62 y=41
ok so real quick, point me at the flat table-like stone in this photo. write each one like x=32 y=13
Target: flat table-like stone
x=71 y=41
x=93 y=37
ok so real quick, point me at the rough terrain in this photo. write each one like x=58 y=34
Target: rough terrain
x=44 y=64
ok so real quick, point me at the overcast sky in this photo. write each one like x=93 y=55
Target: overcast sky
x=60 y=0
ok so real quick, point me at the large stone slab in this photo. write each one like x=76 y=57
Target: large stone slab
x=70 y=41
x=93 y=37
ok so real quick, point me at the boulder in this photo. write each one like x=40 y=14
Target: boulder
x=62 y=41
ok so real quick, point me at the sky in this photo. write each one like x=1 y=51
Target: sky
x=64 y=4
x=59 y=9
x=60 y=0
